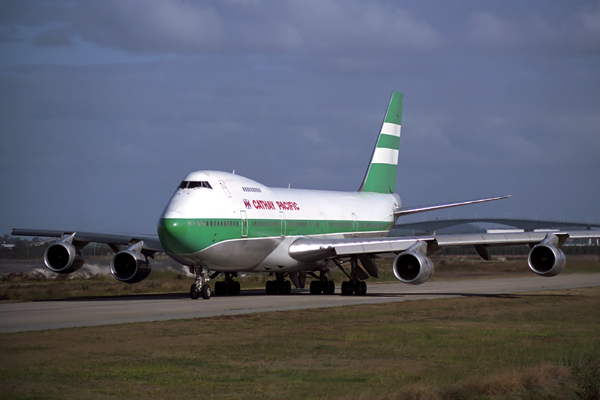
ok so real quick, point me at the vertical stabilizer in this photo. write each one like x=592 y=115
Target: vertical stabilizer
x=381 y=175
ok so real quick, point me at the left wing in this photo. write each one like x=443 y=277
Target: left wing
x=412 y=264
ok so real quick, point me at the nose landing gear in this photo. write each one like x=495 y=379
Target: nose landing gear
x=200 y=287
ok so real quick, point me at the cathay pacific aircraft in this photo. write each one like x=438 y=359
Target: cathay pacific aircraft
x=221 y=224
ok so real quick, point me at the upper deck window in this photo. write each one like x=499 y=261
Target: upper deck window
x=194 y=185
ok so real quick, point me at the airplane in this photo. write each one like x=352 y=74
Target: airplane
x=223 y=224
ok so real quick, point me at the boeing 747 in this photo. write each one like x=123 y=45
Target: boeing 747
x=222 y=224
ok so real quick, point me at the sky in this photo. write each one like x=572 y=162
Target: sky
x=105 y=106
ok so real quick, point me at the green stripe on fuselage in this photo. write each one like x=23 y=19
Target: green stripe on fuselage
x=188 y=236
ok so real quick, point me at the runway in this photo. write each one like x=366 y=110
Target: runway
x=42 y=315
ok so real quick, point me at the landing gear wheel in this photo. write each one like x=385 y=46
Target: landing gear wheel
x=284 y=287
x=205 y=291
x=360 y=288
x=220 y=288
x=271 y=287
x=315 y=287
x=330 y=287
x=346 y=288
x=194 y=293
x=234 y=288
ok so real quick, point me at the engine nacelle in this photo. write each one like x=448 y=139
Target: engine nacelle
x=412 y=268
x=546 y=260
x=130 y=265
x=62 y=257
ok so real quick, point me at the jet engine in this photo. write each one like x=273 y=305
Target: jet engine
x=63 y=257
x=130 y=265
x=546 y=260
x=413 y=266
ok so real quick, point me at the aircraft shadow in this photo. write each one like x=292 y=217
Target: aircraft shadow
x=298 y=292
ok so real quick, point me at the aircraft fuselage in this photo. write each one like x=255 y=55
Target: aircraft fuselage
x=226 y=222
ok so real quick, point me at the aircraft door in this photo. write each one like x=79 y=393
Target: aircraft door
x=354 y=225
x=282 y=218
x=244 y=221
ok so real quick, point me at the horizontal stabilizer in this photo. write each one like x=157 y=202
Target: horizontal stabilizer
x=407 y=211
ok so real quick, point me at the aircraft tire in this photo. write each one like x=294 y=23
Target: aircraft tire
x=346 y=288
x=330 y=287
x=194 y=294
x=361 y=288
x=315 y=287
x=205 y=291
x=235 y=288
x=271 y=287
x=220 y=288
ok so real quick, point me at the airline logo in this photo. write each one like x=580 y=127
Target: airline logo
x=271 y=205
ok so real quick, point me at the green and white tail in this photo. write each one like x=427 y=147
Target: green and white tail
x=381 y=175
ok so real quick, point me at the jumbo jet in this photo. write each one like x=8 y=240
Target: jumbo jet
x=222 y=224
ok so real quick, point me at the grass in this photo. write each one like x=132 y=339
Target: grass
x=19 y=287
x=528 y=346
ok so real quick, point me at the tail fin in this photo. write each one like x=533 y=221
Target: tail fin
x=381 y=175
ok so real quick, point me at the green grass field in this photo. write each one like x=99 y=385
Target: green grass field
x=523 y=346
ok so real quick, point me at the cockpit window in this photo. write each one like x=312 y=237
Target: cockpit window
x=194 y=185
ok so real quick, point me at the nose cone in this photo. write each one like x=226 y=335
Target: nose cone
x=172 y=234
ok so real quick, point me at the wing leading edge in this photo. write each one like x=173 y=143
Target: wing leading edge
x=151 y=242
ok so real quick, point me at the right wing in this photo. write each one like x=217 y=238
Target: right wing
x=129 y=265
x=151 y=242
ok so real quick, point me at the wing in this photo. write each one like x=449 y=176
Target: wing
x=151 y=242
x=129 y=265
x=411 y=263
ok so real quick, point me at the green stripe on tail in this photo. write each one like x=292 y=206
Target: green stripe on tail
x=381 y=175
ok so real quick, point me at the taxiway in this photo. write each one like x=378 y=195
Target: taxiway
x=19 y=317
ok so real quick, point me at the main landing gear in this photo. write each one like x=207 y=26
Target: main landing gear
x=354 y=285
x=228 y=286
x=200 y=287
x=322 y=284
x=279 y=286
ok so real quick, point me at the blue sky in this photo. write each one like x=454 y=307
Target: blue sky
x=106 y=105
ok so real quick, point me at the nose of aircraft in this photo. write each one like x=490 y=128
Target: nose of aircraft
x=172 y=233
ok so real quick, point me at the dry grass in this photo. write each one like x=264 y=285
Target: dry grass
x=522 y=346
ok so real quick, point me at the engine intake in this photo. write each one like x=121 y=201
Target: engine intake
x=412 y=268
x=63 y=257
x=130 y=265
x=546 y=260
